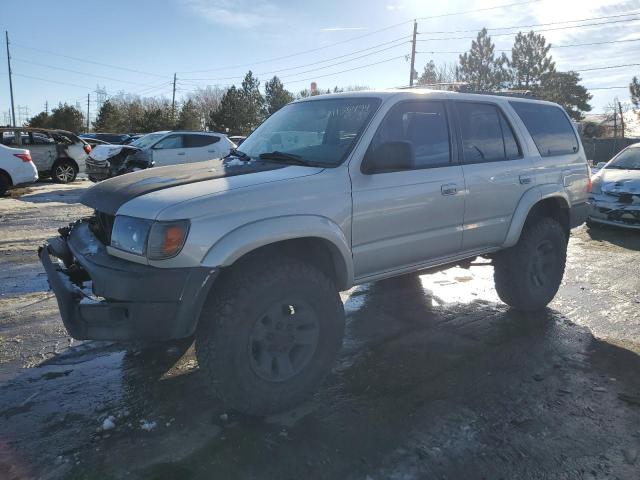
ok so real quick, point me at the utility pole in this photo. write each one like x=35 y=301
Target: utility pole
x=13 y=112
x=173 y=100
x=621 y=118
x=413 y=52
x=88 y=97
x=46 y=107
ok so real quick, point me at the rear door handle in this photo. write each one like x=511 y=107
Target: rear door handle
x=180 y=153
x=449 y=189
x=525 y=179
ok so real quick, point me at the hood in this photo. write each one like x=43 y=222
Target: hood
x=110 y=195
x=615 y=181
x=103 y=152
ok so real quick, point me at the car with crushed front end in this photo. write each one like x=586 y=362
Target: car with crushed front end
x=248 y=254
x=615 y=195
x=156 y=149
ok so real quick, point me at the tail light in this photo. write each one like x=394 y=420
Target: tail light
x=87 y=148
x=25 y=157
x=589 y=181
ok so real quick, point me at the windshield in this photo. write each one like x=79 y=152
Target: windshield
x=628 y=159
x=320 y=132
x=147 y=140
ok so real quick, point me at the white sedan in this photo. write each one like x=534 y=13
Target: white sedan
x=16 y=168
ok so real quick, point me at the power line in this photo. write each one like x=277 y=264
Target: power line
x=52 y=81
x=351 y=39
x=608 y=67
x=630 y=14
x=79 y=73
x=310 y=64
x=537 y=31
x=589 y=44
x=84 y=60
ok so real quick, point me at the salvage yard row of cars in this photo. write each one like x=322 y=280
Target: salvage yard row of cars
x=61 y=155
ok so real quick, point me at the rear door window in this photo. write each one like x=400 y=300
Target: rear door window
x=193 y=141
x=486 y=135
x=549 y=127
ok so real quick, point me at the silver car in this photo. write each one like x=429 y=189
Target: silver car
x=56 y=153
x=615 y=193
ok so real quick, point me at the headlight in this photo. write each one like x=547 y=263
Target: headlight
x=156 y=240
x=130 y=234
x=167 y=239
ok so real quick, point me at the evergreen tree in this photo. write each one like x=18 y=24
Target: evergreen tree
x=564 y=88
x=41 y=120
x=189 y=118
x=254 y=110
x=479 y=66
x=228 y=118
x=66 y=117
x=108 y=118
x=276 y=96
x=634 y=90
x=530 y=60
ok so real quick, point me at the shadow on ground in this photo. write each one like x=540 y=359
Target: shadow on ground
x=421 y=391
x=619 y=236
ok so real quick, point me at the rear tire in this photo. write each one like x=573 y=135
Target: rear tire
x=528 y=275
x=64 y=171
x=269 y=334
x=4 y=184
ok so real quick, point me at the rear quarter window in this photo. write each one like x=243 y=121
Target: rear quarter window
x=549 y=127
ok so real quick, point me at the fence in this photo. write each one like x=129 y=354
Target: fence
x=603 y=149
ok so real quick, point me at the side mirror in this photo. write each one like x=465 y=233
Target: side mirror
x=389 y=157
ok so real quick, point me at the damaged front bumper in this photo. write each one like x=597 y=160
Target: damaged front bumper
x=102 y=297
x=622 y=210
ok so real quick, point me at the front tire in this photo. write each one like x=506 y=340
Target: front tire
x=528 y=275
x=64 y=171
x=4 y=184
x=269 y=334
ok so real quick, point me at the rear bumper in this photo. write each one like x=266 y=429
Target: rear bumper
x=101 y=297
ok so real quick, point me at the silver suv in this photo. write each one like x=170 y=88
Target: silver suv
x=248 y=253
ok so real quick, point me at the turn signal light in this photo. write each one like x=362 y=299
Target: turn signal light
x=25 y=157
x=87 y=149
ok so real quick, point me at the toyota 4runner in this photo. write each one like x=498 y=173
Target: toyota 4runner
x=248 y=253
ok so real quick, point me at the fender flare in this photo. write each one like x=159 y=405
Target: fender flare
x=527 y=202
x=251 y=236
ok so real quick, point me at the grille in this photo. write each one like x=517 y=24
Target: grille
x=102 y=225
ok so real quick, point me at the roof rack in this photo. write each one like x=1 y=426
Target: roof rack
x=464 y=87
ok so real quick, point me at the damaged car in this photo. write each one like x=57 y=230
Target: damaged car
x=56 y=153
x=156 y=149
x=615 y=194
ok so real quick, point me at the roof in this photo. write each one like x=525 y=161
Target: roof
x=413 y=93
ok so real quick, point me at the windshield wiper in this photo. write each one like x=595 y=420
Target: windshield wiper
x=234 y=152
x=284 y=157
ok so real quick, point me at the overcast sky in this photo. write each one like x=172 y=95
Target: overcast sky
x=137 y=46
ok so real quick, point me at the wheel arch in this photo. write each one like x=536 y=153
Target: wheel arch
x=541 y=201
x=306 y=237
x=6 y=175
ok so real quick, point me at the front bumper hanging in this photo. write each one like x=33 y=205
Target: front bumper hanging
x=102 y=297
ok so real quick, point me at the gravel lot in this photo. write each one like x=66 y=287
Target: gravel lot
x=437 y=379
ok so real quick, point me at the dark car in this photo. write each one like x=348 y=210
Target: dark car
x=113 y=138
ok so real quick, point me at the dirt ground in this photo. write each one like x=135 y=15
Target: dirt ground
x=437 y=379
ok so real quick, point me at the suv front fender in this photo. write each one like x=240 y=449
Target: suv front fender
x=252 y=236
x=527 y=202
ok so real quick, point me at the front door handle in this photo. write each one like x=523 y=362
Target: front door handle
x=449 y=189
x=525 y=179
x=180 y=153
